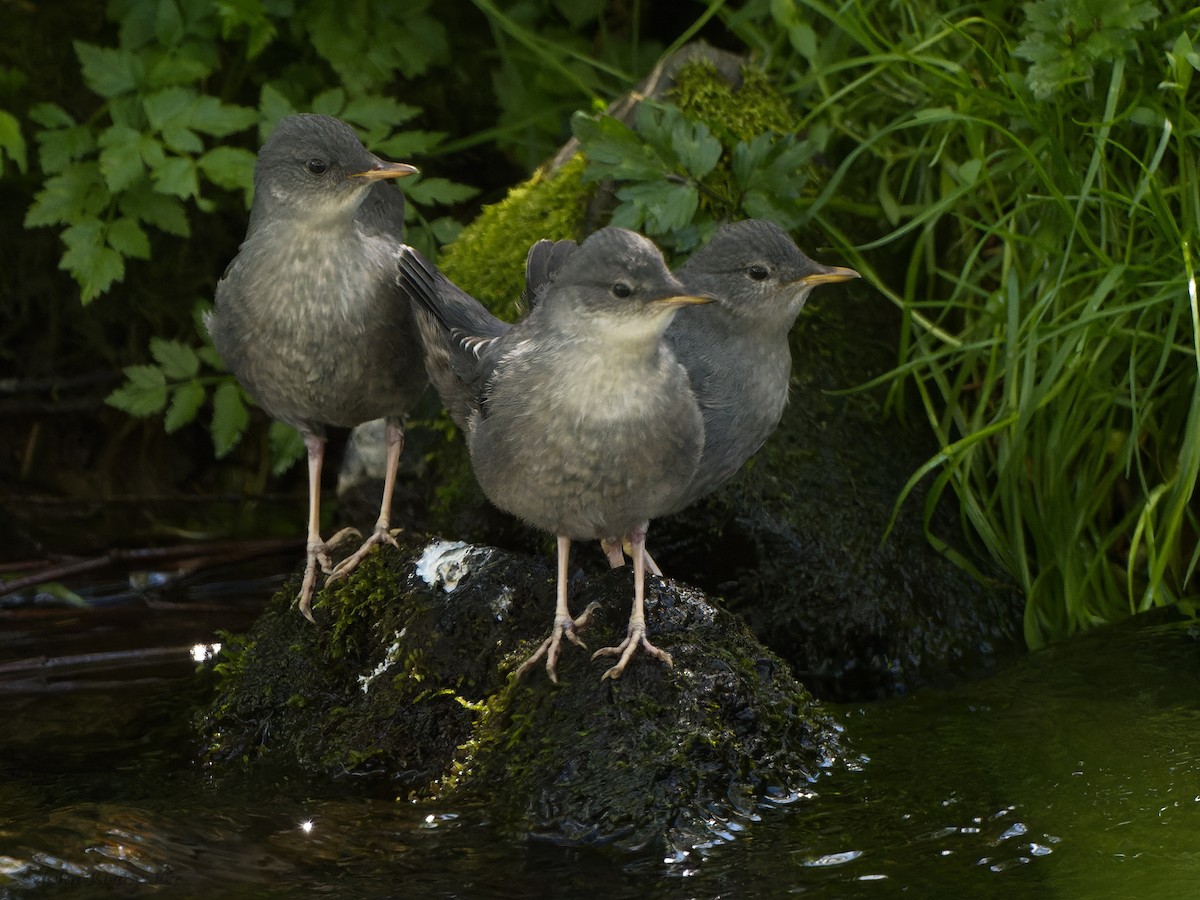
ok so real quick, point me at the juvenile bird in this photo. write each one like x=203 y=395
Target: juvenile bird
x=308 y=315
x=578 y=418
x=736 y=349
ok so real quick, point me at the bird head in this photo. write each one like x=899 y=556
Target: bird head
x=617 y=284
x=758 y=273
x=315 y=167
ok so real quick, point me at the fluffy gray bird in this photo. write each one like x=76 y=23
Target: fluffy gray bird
x=308 y=315
x=735 y=350
x=578 y=418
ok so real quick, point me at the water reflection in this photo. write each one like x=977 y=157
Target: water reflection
x=1073 y=774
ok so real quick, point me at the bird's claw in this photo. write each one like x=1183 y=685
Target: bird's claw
x=381 y=535
x=551 y=646
x=635 y=638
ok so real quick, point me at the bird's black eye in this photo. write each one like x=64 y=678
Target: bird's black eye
x=621 y=289
x=758 y=273
x=316 y=166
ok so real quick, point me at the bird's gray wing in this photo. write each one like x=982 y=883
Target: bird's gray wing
x=542 y=263
x=459 y=335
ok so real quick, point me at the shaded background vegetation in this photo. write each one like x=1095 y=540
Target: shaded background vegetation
x=1020 y=182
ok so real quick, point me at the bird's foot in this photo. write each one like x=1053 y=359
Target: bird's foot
x=564 y=626
x=635 y=638
x=381 y=535
x=318 y=556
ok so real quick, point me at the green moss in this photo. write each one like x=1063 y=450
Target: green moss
x=488 y=259
x=731 y=114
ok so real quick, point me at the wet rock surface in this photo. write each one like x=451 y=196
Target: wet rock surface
x=405 y=683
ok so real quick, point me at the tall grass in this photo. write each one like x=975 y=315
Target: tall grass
x=1044 y=209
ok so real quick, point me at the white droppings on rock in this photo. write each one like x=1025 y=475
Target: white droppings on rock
x=448 y=562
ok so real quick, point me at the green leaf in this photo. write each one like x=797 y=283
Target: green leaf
x=121 y=160
x=168 y=23
x=77 y=194
x=230 y=417
x=177 y=177
x=91 y=263
x=169 y=106
x=51 y=115
x=228 y=167
x=182 y=140
x=186 y=401
x=12 y=142
x=330 y=102
x=287 y=446
x=665 y=206
x=274 y=105
x=209 y=115
x=210 y=357
x=165 y=213
x=615 y=150
x=58 y=149
x=429 y=191
x=143 y=394
x=378 y=116
x=695 y=147
x=409 y=144
x=127 y=238
x=109 y=73
x=178 y=361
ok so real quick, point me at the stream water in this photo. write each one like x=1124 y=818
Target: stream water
x=1075 y=773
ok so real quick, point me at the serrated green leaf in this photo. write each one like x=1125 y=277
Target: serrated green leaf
x=169 y=106
x=210 y=357
x=143 y=394
x=695 y=147
x=230 y=417
x=615 y=151
x=12 y=142
x=109 y=73
x=120 y=157
x=228 y=167
x=168 y=23
x=409 y=144
x=666 y=206
x=210 y=116
x=165 y=213
x=51 y=115
x=273 y=105
x=182 y=139
x=77 y=194
x=378 y=116
x=176 y=177
x=429 y=191
x=127 y=238
x=287 y=447
x=59 y=149
x=178 y=361
x=330 y=102
x=186 y=401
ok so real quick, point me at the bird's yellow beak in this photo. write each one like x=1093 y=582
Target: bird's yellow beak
x=686 y=299
x=387 y=170
x=832 y=275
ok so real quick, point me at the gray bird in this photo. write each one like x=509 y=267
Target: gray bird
x=308 y=315
x=578 y=418
x=735 y=350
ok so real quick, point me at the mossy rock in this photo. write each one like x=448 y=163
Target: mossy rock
x=406 y=682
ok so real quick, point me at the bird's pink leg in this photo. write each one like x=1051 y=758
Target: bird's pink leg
x=382 y=533
x=635 y=635
x=564 y=625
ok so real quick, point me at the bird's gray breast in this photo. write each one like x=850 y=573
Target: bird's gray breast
x=584 y=447
x=312 y=325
